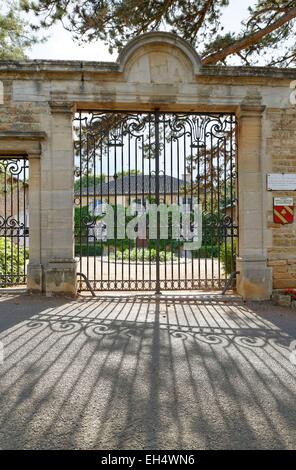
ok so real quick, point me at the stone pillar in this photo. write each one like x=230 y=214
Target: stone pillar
x=58 y=255
x=255 y=278
x=34 y=275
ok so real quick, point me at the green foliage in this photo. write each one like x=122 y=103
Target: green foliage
x=81 y=218
x=211 y=231
x=206 y=252
x=121 y=245
x=228 y=258
x=267 y=34
x=16 y=35
x=7 y=183
x=12 y=259
x=89 y=250
x=139 y=254
x=121 y=174
x=88 y=180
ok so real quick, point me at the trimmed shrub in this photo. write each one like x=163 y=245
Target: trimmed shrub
x=82 y=216
x=143 y=255
x=206 y=252
x=88 y=250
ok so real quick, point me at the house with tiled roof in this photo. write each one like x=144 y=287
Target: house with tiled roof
x=140 y=189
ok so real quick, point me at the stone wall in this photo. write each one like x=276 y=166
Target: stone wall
x=282 y=148
x=19 y=117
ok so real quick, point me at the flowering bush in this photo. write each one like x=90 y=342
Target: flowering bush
x=292 y=293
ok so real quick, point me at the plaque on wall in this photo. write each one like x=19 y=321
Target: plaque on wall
x=281 y=182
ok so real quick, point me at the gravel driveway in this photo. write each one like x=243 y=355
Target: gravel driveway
x=136 y=373
x=98 y=268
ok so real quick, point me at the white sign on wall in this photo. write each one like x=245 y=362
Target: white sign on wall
x=283 y=201
x=281 y=182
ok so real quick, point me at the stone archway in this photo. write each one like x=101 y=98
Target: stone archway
x=155 y=71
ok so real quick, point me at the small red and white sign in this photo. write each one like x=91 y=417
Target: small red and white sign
x=283 y=210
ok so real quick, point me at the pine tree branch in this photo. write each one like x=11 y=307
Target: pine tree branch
x=202 y=15
x=249 y=40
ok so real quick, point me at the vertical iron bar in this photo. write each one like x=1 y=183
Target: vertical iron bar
x=231 y=195
x=135 y=177
x=123 y=205
x=219 y=222
x=108 y=199
x=115 y=213
x=87 y=204
x=80 y=194
x=94 y=217
x=178 y=195
x=157 y=152
x=206 y=205
x=199 y=202
x=24 y=216
x=172 y=202
x=6 y=224
x=212 y=207
x=185 y=199
x=101 y=189
x=11 y=229
x=130 y=201
x=191 y=208
x=225 y=230
x=19 y=236
x=150 y=201
x=165 y=242
x=143 y=206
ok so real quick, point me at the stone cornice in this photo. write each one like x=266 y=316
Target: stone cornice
x=62 y=107
x=23 y=136
x=250 y=110
x=61 y=69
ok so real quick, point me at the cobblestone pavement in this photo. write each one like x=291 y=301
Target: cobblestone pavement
x=131 y=372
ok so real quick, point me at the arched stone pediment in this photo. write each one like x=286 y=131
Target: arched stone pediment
x=159 y=57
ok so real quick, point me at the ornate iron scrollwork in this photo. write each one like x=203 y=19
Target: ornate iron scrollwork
x=141 y=158
x=14 y=215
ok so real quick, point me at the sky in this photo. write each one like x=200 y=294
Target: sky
x=60 y=45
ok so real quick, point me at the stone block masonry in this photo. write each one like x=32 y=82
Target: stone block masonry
x=282 y=149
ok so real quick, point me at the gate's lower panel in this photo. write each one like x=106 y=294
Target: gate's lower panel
x=139 y=277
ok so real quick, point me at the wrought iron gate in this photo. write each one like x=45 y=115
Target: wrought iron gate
x=128 y=162
x=14 y=219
